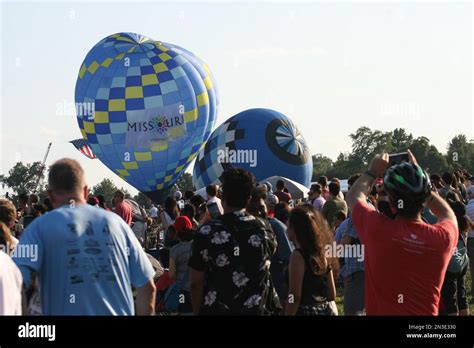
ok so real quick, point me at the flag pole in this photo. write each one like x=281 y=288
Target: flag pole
x=42 y=168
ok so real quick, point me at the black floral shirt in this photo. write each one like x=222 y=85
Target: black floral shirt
x=234 y=251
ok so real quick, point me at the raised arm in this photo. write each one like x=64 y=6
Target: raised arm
x=441 y=209
x=438 y=206
x=359 y=190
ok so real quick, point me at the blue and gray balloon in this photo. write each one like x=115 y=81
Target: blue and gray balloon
x=262 y=141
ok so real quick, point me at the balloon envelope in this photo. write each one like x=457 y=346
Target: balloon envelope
x=262 y=141
x=297 y=190
x=145 y=107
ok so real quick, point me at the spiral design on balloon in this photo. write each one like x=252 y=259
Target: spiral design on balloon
x=286 y=142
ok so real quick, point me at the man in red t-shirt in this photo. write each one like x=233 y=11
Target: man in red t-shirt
x=405 y=258
x=122 y=208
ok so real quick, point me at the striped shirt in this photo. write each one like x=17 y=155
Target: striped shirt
x=351 y=264
x=470 y=213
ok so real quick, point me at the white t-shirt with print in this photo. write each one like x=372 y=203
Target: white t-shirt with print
x=10 y=286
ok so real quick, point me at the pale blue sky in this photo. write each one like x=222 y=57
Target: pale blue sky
x=331 y=67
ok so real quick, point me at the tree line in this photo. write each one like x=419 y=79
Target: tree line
x=23 y=178
x=366 y=143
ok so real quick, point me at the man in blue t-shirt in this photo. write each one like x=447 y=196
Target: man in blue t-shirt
x=86 y=259
x=281 y=258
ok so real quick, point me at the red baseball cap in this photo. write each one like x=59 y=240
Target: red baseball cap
x=182 y=223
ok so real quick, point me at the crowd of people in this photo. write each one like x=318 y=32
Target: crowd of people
x=398 y=242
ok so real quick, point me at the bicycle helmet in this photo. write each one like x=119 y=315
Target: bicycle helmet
x=407 y=180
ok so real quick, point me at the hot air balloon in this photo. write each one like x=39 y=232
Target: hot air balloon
x=145 y=108
x=262 y=141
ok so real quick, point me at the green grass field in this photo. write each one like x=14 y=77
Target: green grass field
x=469 y=285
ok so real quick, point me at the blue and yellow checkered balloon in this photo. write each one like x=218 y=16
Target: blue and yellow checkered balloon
x=145 y=107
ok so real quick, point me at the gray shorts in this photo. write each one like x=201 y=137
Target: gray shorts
x=354 y=301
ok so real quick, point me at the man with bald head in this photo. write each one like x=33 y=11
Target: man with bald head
x=86 y=259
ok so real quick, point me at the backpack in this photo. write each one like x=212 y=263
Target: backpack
x=168 y=292
x=163 y=284
x=171 y=298
x=459 y=260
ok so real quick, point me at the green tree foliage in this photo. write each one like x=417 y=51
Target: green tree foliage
x=400 y=140
x=460 y=152
x=185 y=182
x=366 y=143
x=362 y=144
x=105 y=188
x=22 y=178
x=428 y=156
x=346 y=165
x=142 y=200
x=321 y=166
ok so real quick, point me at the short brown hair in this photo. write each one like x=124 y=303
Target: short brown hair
x=7 y=212
x=316 y=188
x=334 y=188
x=66 y=176
x=33 y=199
x=120 y=194
x=211 y=190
